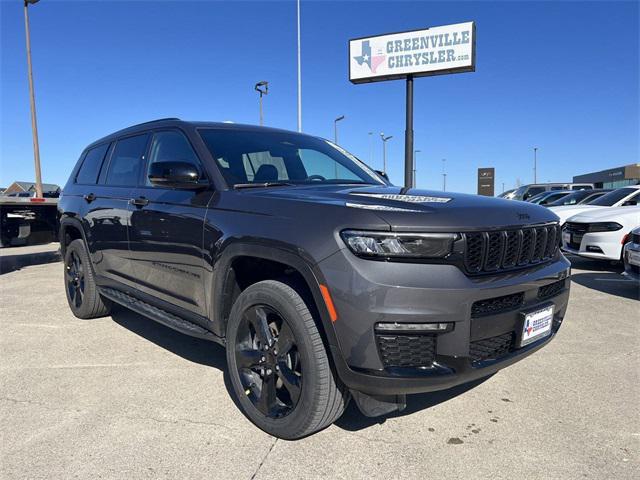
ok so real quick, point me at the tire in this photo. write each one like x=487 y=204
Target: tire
x=308 y=395
x=82 y=292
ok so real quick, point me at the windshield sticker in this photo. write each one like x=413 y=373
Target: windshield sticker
x=406 y=198
x=385 y=208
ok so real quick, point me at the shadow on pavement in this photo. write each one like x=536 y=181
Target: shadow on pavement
x=582 y=263
x=353 y=420
x=611 y=283
x=13 y=262
x=194 y=349
x=213 y=355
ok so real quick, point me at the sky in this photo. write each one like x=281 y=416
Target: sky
x=560 y=76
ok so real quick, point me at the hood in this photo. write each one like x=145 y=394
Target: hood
x=609 y=214
x=415 y=209
x=567 y=211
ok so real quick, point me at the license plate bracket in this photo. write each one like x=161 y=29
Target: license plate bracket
x=536 y=324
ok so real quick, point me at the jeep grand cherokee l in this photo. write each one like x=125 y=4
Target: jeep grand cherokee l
x=323 y=281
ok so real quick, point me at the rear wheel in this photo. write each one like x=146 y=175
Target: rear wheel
x=82 y=292
x=278 y=364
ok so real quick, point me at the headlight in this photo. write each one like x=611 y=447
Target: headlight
x=403 y=245
x=604 y=227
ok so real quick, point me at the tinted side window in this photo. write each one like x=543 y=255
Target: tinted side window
x=126 y=161
x=171 y=146
x=90 y=169
x=533 y=191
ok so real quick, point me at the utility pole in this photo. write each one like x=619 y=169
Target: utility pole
x=535 y=164
x=262 y=88
x=415 y=165
x=502 y=187
x=299 y=75
x=444 y=176
x=371 y=149
x=384 y=151
x=32 y=97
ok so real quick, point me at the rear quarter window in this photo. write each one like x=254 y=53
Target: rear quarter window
x=91 y=165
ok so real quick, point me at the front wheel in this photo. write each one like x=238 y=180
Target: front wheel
x=278 y=364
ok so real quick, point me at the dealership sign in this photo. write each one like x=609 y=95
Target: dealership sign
x=434 y=51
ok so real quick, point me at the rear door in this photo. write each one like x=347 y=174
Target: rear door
x=107 y=212
x=166 y=234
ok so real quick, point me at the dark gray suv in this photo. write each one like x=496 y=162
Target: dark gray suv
x=324 y=282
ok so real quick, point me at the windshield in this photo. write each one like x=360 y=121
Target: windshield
x=612 y=198
x=258 y=157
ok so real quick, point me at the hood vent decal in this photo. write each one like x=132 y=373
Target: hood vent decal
x=406 y=198
x=385 y=208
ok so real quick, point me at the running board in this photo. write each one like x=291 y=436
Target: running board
x=161 y=316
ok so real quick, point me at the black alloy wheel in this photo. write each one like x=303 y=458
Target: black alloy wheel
x=75 y=279
x=268 y=361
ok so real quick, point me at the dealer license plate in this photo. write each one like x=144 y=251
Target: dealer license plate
x=634 y=258
x=536 y=325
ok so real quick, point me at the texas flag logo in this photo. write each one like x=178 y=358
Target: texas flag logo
x=528 y=328
x=365 y=57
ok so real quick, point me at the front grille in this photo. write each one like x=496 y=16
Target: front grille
x=492 y=348
x=492 y=306
x=552 y=289
x=487 y=252
x=407 y=350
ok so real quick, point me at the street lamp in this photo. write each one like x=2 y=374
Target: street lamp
x=535 y=164
x=335 y=128
x=384 y=150
x=262 y=88
x=32 y=97
x=444 y=176
x=415 y=158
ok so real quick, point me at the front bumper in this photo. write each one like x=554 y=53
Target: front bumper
x=366 y=292
x=631 y=270
x=608 y=243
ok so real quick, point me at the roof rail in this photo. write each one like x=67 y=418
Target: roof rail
x=153 y=121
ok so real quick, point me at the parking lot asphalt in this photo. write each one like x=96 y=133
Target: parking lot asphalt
x=124 y=397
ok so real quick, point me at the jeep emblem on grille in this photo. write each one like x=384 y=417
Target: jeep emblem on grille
x=523 y=216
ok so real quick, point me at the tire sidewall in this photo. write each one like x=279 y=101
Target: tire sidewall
x=274 y=295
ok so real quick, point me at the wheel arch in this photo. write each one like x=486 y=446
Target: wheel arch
x=70 y=229
x=226 y=286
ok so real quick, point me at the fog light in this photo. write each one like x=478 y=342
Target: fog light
x=414 y=327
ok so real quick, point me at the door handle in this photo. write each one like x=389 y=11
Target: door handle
x=139 y=202
x=90 y=197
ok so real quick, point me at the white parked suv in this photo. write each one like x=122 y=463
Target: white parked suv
x=600 y=233
x=621 y=197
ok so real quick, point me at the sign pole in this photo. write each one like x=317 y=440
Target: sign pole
x=408 y=136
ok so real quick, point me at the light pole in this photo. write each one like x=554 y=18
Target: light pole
x=371 y=148
x=34 y=122
x=335 y=128
x=384 y=150
x=444 y=176
x=415 y=162
x=262 y=88
x=299 y=74
x=502 y=187
x=535 y=164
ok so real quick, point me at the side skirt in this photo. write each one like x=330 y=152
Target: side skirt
x=161 y=316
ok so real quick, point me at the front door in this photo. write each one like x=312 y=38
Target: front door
x=166 y=233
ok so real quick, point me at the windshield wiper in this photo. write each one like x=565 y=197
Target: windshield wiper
x=239 y=186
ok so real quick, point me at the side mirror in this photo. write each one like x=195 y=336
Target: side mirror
x=175 y=175
x=382 y=174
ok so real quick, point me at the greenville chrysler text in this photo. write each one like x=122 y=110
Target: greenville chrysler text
x=323 y=281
